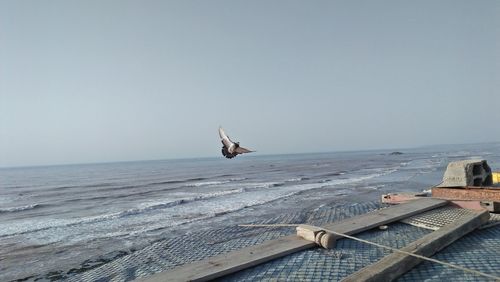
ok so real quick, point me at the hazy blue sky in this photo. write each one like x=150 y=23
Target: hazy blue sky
x=92 y=81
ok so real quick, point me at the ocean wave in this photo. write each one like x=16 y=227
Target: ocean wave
x=379 y=173
x=254 y=197
x=120 y=186
x=330 y=174
x=423 y=164
x=260 y=185
x=374 y=187
x=155 y=205
x=21 y=208
x=147 y=192
x=237 y=179
x=215 y=182
x=297 y=179
x=157 y=183
x=291 y=190
x=150 y=191
x=144 y=208
x=252 y=194
x=95 y=185
x=207 y=183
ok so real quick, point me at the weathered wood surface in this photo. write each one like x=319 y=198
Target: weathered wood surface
x=224 y=264
x=394 y=265
x=231 y=262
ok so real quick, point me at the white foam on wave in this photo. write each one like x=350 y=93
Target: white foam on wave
x=423 y=164
x=33 y=226
x=297 y=179
x=249 y=186
x=151 y=206
x=207 y=183
x=196 y=197
x=237 y=179
x=378 y=173
x=20 y=208
x=215 y=182
x=374 y=187
x=254 y=197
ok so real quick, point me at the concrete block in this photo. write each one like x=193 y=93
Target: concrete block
x=467 y=173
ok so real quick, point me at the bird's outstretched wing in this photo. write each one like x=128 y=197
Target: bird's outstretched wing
x=224 y=138
x=241 y=150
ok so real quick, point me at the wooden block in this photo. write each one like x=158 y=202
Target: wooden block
x=394 y=265
x=311 y=233
x=224 y=264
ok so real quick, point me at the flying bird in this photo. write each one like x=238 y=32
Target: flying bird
x=230 y=149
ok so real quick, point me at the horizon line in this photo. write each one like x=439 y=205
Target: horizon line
x=251 y=156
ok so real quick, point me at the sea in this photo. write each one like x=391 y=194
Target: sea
x=58 y=221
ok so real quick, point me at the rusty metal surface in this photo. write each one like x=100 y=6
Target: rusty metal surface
x=493 y=187
x=399 y=198
x=471 y=205
x=467 y=193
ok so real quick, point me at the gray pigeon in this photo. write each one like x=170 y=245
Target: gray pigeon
x=230 y=149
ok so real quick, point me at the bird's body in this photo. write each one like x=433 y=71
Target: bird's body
x=230 y=149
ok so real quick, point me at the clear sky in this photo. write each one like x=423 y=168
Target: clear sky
x=97 y=81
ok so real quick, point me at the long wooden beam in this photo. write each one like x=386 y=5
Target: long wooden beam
x=394 y=265
x=234 y=261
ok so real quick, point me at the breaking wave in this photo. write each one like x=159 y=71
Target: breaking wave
x=155 y=206
x=212 y=183
x=251 y=194
x=146 y=207
x=207 y=183
x=21 y=208
x=297 y=179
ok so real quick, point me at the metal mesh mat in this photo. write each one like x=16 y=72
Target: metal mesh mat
x=169 y=253
x=477 y=251
x=332 y=265
x=437 y=218
x=494 y=221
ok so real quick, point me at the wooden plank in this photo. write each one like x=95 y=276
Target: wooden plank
x=394 y=265
x=224 y=264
